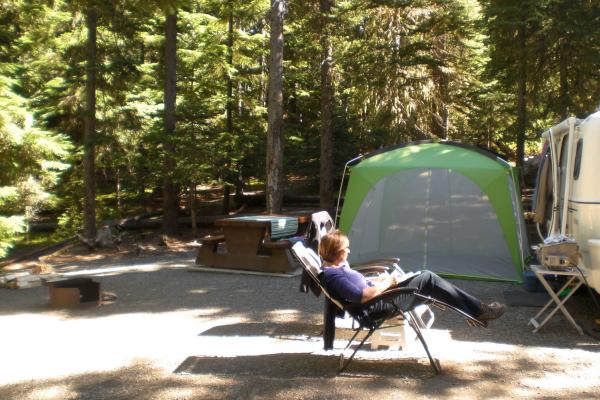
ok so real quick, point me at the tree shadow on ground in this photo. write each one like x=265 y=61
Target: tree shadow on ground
x=298 y=376
x=492 y=379
x=302 y=365
x=266 y=328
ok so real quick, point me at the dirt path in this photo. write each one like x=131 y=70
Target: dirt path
x=174 y=334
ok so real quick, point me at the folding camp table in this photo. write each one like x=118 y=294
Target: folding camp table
x=574 y=281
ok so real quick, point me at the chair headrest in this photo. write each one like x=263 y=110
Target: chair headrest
x=308 y=257
x=321 y=224
x=323 y=220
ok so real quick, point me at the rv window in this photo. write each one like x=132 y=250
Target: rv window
x=577 y=167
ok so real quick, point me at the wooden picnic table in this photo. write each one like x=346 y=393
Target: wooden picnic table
x=252 y=242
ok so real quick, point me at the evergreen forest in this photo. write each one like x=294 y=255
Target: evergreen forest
x=113 y=108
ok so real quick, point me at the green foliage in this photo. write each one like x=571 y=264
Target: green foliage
x=9 y=228
x=402 y=70
x=210 y=59
x=561 y=60
x=31 y=163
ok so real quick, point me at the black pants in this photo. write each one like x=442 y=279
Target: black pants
x=430 y=284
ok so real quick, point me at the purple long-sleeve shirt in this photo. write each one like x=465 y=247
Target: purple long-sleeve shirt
x=345 y=282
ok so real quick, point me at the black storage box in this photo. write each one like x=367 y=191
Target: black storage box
x=71 y=293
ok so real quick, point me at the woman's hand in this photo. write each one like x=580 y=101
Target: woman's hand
x=383 y=284
x=384 y=279
x=393 y=282
x=378 y=279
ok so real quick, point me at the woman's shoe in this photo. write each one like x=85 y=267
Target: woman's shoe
x=491 y=311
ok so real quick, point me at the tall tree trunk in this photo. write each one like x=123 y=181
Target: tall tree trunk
x=564 y=83
x=170 y=195
x=141 y=177
x=193 y=214
x=445 y=121
x=445 y=94
x=118 y=192
x=89 y=200
x=326 y=167
x=522 y=94
x=275 y=111
x=229 y=106
x=262 y=97
x=239 y=187
x=239 y=184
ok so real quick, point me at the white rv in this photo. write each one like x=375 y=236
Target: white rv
x=570 y=169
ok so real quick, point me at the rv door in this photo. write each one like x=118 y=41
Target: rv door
x=562 y=138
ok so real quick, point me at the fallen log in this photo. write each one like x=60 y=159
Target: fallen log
x=156 y=223
x=260 y=200
x=39 y=252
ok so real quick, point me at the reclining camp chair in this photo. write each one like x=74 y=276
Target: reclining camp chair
x=320 y=225
x=403 y=301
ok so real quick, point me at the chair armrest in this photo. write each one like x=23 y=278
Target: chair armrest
x=390 y=294
x=277 y=244
x=379 y=261
x=376 y=266
x=379 y=269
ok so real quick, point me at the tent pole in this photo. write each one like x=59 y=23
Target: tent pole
x=337 y=206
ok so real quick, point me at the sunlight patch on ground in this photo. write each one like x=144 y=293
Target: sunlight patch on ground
x=463 y=351
x=176 y=393
x=54 y=345
x=556 y=381
x=207 y=312
x=532 y=368
x=50 y=393
x=180 y=264
x=238 y=346
x=197 y=291
x=192 y=392
x=283 y=315
x=111 y=271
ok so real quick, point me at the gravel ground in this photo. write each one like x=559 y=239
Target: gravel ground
x=176 y=334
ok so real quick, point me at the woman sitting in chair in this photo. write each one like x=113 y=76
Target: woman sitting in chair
x=353 y=287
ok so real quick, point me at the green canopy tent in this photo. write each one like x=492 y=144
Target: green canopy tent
x=448 y=207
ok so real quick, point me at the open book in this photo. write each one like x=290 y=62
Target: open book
x=401 y=276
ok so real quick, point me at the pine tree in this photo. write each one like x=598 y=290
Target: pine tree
x=275 y=173
x=327 y=106
x=32 y=158
x=89 y=199
x=511 y=27
x=170 y=189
